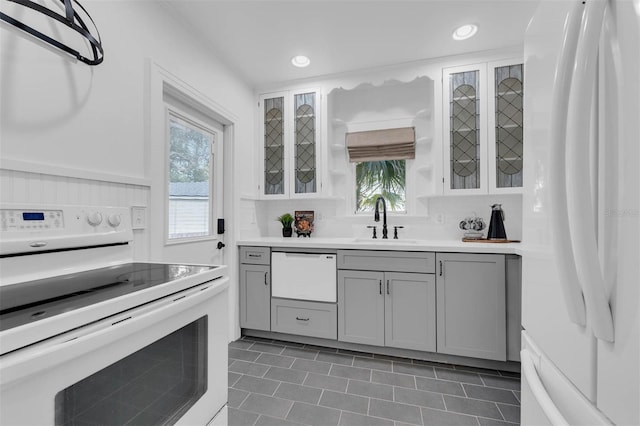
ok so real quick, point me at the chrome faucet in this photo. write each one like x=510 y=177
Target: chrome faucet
x=376 y=216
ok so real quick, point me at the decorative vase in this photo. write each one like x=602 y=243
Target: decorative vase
x=287 y=232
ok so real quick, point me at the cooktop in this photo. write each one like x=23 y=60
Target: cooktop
x=31 y=301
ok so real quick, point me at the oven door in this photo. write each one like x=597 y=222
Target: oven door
x=161 y=363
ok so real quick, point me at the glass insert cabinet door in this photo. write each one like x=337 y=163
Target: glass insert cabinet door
x=483 y=127
x=290 y=143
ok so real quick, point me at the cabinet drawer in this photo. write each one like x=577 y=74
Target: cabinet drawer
x=399 y=261
x=255 y=255
x=304 y=318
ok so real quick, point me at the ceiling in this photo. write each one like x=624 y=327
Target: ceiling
x=258 y=38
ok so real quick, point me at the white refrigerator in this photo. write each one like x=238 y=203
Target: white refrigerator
x=581 y=214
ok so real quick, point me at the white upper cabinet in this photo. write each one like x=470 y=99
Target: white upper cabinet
x=483 y=128
x=290 y=129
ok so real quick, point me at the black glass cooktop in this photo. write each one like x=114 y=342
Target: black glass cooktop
x=31 y=301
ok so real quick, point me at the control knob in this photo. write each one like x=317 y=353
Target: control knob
x=114 y=220
x=94 y=219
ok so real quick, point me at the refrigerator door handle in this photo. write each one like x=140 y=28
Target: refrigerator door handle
x=539 y=392
x=559 y=218
x=579 y=200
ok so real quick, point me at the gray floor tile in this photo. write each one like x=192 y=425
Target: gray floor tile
x=236 y=397
x=458 y=376
x=510 y=383
x=417 y=397
x=518 y=395
x=233 y=378
x=249 y=368
x=286 y=375
x=313 y=414
x=336 y=358
x=311 y=366
x=445 y=418
x=350 y=372
x=243 y=355
x=511 y=413
x=273 y=421
x=494 y=422
x=240 y=344
x=373 y=390
x=353 y=419
x=374 y=364
x=257 y=385
x=299 y=393
x=322 y=381
x=277 y=360
x=241 y=418
x=473 y=407
x=268 y=405
x=441 y=386
x=343 y=401
x=394 y=379
x=395 y=411
x=230 y=361
x=300 y=353
x=416 y=370
x=267 y=347
x=490 y=394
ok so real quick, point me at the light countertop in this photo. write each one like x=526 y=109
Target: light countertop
x=407 y=244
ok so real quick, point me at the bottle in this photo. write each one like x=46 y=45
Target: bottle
x=496 y=224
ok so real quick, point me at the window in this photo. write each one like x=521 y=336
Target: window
x=190 y=178
x=384 y=178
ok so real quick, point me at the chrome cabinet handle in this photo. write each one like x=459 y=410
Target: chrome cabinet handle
x=380 y=286
x=265 y=278
x=302 y=319
x=388 y=287
x=440 y=267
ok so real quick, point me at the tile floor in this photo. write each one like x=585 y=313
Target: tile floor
x=281 y=383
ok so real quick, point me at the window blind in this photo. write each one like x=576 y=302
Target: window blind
x=385 y=144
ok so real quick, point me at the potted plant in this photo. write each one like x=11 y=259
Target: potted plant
x=286 y=220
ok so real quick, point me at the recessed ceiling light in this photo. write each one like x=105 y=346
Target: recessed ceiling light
x=300 y=61
x=465 y=31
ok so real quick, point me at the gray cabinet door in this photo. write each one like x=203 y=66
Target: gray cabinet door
x=361 y=307
x=255 y=297
x=471 y=305
x=410 y=311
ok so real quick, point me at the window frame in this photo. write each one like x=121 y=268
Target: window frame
x=215 y=173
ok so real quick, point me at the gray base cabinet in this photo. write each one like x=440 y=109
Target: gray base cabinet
x=471 y=305
x=387 y=309
x=255 y=297
x=255 y=288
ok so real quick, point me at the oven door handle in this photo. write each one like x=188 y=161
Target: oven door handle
x=102 y=335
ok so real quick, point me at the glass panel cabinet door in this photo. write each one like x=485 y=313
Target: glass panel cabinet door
x=508 y=127
x=464 y=134
x=274 y=138
x=305 y=143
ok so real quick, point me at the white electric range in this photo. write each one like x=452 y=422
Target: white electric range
x=90 y=337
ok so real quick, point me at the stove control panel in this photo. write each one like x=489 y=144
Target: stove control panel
x=27 y=229
x=17 y=220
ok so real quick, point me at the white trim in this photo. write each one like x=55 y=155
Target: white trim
x=72 y=172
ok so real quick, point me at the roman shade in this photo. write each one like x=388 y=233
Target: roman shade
x=385 y=144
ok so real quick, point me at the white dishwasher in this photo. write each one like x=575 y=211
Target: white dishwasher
x=305 y=276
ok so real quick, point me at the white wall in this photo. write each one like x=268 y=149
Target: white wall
x=76 y=134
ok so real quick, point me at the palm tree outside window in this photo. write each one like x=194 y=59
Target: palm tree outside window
x=384 y=178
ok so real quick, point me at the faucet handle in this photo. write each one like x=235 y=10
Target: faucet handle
x=374 y=230
x=395 y=231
